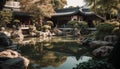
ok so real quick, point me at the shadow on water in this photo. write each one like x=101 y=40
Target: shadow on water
x=57 y=53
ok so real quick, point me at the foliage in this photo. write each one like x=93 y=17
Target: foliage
x=114 y=22
x=74 y=23
x=16 y=21
x=50 y=23
x=32 y=28
x=2 y=3
x=104 y=29
x=83 y=27
x=104 y=7
x=38 y=27
x=58 y=4
x=116 y=31
x=46 y=27
x=83 y=24
x=42 y=8
x=5 y=17
x=100 y=35
x=94 y=64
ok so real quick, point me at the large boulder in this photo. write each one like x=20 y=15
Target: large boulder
x=95 y=44
x=85 y=41
x=17 y=34
x=12 y=55
x=102 y=51
x=5 y=41
x=108 y=40
x=58 y=31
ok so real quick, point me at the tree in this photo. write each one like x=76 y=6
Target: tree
x=2 y=3
x=5 y=17
x=104 y=7
x=58 y=4
x=41 y=8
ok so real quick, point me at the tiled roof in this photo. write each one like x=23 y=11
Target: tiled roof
x=84 y=11
x=16 y=13
x=71 y=11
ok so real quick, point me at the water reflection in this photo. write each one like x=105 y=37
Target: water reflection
x=31 y=41
x=61 y=53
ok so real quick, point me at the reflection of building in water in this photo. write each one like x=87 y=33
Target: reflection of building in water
x=41 y=57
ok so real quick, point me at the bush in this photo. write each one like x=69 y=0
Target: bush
x=100 y=35
x=5 y=17
x=83 y=27
x=50 y=23
x=94 y=64
x=104 y=29
x=74 y=23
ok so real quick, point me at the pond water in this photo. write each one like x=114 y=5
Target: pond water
x=55 y=53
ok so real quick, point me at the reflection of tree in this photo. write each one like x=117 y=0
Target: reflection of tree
x=53 y=59
x=42 y=57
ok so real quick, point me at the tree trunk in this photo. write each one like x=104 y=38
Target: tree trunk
x=40 y=20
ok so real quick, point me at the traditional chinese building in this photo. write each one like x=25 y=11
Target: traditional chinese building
x=15 y=7
x=62 y=16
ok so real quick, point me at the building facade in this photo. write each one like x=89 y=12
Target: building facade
x=17 y=13
x=62 y=16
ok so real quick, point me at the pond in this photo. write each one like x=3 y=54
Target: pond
x=55 y=53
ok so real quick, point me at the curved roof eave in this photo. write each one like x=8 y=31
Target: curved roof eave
x=65 y=13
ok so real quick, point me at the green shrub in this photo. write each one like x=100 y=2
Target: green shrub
x=94 y=64
x=74 y=23
x=38 y=26
x=104 y=29
x=100 y=35
x=83 y=27
x=5 y=17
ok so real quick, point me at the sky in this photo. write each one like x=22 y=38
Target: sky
x=75 y=3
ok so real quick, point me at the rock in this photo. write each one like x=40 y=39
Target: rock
x=6 y=46
x=95 y=44
x=58 y=32
x=102 y=51
x=108 y=40
x=5 y=40
x=111 y=39
x=85 y=41
x=17 y=34
x=3 y=30
x=12 y=64
x=12 y=55
x=9 y=53
x=25 y=61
